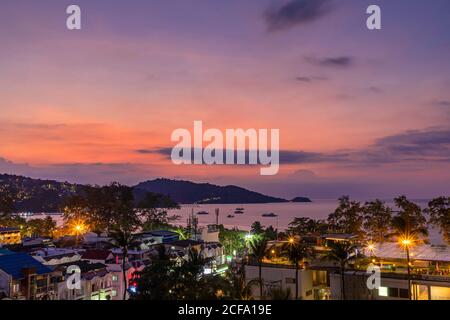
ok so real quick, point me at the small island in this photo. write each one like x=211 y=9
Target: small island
x=301 y=199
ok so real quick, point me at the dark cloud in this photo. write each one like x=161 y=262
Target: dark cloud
x=432 y=144
x=375 y=89
x=441 y=103
x=149 y=151
x=339 y=61
x=286 y=156
x=309 y=79
x=411 y=146
x=296 y=12
x=299 y=157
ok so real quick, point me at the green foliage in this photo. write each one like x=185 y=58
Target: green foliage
x=260 y=232
x=41 y=227
x=348 y=217
x=303 y=226
x=410 y=212
x=377 y=219
x=167 y=279
x=112 y=206
x=233 y=240
x=439 y=211
x=239 y=288
x=257 y=228
x=8 y=198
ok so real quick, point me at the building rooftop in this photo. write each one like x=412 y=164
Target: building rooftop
x=425 y=252
x=185 y=243
x=338 y=236
x=5 y=252
x=8 y=230
x=161 y=233
x=96 y=254
x=13 y=264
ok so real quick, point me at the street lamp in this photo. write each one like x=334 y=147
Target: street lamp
x=78 y=228
x=406 y=243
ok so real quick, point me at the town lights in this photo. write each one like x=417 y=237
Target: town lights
x=291 y=240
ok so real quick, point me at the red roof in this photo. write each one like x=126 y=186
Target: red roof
x=96 y=254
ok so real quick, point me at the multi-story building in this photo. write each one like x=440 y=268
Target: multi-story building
x=321 y=279
x=23 y=277
x=95 y=282
x=10 y=236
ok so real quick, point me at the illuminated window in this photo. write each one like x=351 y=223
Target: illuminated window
x=114 y=293
x=440 y=293
x=16 y=288
x=115 y=278
x=383 y=291
x=420 y=292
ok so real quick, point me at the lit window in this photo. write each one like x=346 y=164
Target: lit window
x=440 y=293
x=115 y=278
x=383 y=291
x=16 y=288
x=114 y=293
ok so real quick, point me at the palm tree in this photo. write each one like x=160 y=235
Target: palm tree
x=341 y=252
x=439 y=211
x=124 y=239
x=407 y=234
x=258 y=251
x=297 y=251
x=183 y=234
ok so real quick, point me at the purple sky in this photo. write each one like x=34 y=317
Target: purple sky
x=360 y=112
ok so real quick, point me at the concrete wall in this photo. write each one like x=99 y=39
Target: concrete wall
x=282 y=277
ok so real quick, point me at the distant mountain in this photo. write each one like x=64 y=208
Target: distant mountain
x=190 y=192
x=301 y=199
x=36 y=195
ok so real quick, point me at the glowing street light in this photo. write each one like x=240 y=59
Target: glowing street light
x=406 y=242
x=78 y=228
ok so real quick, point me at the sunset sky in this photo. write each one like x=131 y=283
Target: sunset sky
x=360 y=112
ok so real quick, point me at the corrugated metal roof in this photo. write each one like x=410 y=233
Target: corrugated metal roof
x=425 y=252
x=13 y=264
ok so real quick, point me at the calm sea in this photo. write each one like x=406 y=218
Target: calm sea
x=286 y=212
